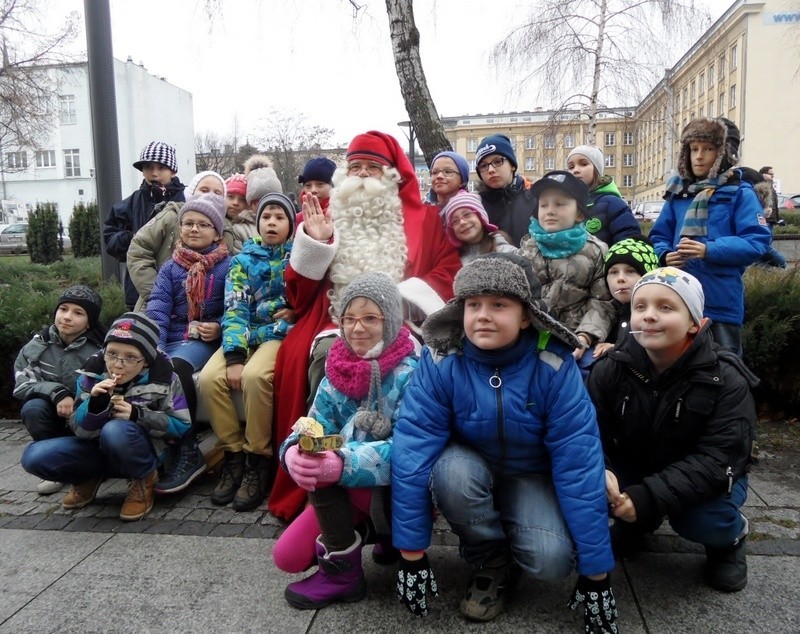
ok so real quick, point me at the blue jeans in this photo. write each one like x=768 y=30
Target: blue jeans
x=123 y=450
x=716 y=523
x=728 y=336
x=42 y=421
x=492 y=513
x=195 y=352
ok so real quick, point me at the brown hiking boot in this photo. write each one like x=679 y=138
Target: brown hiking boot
x=80 y=495
x=231 y=478
x=140 y=498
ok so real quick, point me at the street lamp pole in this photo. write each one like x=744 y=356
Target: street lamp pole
x=412 y=139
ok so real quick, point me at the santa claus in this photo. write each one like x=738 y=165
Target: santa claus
x=375 y=222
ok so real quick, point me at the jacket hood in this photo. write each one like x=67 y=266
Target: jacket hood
x=606 y=186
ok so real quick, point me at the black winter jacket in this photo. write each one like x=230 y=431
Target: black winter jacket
x=510 y=208
x=678 y=438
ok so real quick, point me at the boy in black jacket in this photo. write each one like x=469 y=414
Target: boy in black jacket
x=676 y=416
x=159 y=186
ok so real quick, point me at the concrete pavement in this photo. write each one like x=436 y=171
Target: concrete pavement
x=193 y=567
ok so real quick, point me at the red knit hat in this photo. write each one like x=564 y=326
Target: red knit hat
x=237 y=184
x=371 y=146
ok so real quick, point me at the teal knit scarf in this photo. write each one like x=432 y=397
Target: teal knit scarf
x=695 y=223
x=559 y=244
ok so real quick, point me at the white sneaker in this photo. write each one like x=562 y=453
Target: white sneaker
x=47 y=487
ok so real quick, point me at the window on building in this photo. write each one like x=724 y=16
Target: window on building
x=472 y=165
x=701 y=84
x=610 y=139
x=627 y=159
x=721 y=66
x=472 y=145
x=569 y=140
x=46 y=158
x=530 y=143
x=16 y=160
x=549 y=141
x=693 y=90
x=711 y=74
x=549 y=163
x=721 y=104
x=627 y=138
x=732 y=100
x=702 y=112
x=66 y=109
x=627 y=180
x=734 y=57
x=72 y=163
x=711 y=108
x=685 y=97
x=530 y=164
x=609 y=160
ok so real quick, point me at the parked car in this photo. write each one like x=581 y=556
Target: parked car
x=648 y=211
x=789 y=202
x=14 y=238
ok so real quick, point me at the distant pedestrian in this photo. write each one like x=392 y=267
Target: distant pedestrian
x=129 y=403
x=769 y=201
x=160 y=185
x=45 y=377
x=676 y=418
x=712 y=224
x=608 y=216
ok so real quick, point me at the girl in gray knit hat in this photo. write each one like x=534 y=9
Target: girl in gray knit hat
x=366 y=373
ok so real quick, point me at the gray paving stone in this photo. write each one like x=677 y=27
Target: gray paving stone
x=164 y=527
x=259 y=532
x=81 y=524
x=53 y=523
x=139 y=526
x=27 y=521
x=227 y=530
x=199 y=515
x=193 y=529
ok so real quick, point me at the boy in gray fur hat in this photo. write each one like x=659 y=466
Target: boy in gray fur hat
x=496 y=429
x=712 y=224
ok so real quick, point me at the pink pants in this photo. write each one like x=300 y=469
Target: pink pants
x=296 y=551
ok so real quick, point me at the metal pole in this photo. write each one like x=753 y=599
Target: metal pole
x=97 y=15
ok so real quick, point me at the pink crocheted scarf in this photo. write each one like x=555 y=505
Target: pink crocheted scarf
x=350 y=374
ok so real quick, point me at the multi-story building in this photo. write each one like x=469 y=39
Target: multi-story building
x=745 y=67
x=63 y=169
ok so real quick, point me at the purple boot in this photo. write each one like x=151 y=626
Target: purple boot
x=340 y=577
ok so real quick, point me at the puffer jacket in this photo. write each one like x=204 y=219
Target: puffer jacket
x=540 y=420
x=510 y=208
x=159 y=404
x=153 y=245
x=168 y=305
x=241 y=228
x=254 y=290
x=610 y=218
x=574 y=288
x=46 y=368
x=677 y=438
x=366 y=459
x=738 y=236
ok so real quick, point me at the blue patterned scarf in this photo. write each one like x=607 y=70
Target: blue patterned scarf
x=695 y=222
x=558 y=244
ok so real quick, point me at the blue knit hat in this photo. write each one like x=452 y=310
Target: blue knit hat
x=320 y=169
x=496 y=144
x=460 y=161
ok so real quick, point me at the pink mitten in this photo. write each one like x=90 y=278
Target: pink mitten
x=331 y=468
x=304 y=468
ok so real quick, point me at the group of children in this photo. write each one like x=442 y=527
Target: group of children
x=492 y=424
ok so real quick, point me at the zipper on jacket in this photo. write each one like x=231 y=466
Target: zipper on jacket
x=624 y=405
x=497 y=382
x=729 y=475
x=678 y=409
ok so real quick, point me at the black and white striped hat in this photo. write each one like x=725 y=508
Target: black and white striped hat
x=157 y=152
x=138 y=330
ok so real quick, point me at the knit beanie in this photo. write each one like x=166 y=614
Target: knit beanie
x=495 y=144
x=370 y=147
x=460 y=161
x=564 y=181
x=157 y=152
x=464 y=200
x=380 y=288
x=277 y=198
x=318 y=169
x=637 y=252
x=237 y=184
x=506 y=274
x=84 y=297
x=210 y=205
x=593 y=153
x=192 y=186
x=261 y=178
x=138 y=330
x=684 y=284
x=722 y=133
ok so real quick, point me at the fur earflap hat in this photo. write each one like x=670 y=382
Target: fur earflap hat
x=722 y=133
x=493 y=274
x=261 y=178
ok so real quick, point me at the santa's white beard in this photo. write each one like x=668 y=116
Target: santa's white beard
x=368 y=218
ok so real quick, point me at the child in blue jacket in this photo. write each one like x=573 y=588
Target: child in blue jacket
x=712 y=225
x=497 y=431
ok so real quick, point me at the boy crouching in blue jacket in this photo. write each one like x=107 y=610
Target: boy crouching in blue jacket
x=498 y=432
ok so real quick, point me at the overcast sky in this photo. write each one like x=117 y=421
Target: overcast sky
x=313 y=57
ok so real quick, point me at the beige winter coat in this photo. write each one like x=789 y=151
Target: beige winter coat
x=242 y=228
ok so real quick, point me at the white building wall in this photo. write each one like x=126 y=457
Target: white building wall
x=148 y=109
